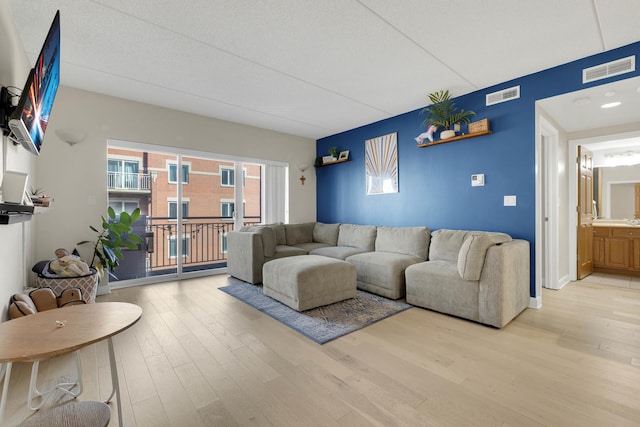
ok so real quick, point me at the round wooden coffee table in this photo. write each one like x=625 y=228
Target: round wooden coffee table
x=37 y=337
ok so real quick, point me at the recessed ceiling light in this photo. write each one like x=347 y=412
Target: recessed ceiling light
x=609 y=93
x=611 y=104
x=582 y=101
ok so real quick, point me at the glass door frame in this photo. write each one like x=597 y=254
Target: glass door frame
x=180 y=153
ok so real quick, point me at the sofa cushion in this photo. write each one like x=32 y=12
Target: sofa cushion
x=326 y=233
x=436 y=285
x=281 y=238
x=357 y=236
x=268 y=238
x=382 y=272
x=285 y=251
x=299 y=233
x=308 y=247
x=445 y=244
x=473 y=250
x=412 y=241
x=278 y=228
x=337 y=252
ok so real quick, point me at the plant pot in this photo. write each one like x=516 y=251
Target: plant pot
x=446 y=134
x=103 y=287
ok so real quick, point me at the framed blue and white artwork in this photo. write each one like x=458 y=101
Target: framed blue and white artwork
x=381 y=164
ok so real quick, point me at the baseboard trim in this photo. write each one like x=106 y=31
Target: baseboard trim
x=535 y=302
x=564 y=281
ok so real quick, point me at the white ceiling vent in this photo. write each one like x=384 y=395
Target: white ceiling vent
x=610 y=69
x=503 y=95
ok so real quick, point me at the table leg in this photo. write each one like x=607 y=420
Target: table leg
x=5 y=389
x=114 y=380
x=65 y=387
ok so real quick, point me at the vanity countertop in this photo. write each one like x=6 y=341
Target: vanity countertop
x=613 y=223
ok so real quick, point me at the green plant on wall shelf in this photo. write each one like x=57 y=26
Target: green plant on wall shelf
x=333 y=152
x=443 y=112
x=116 y=235
x=36 y=191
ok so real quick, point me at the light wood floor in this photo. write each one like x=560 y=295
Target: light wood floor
x=199 y=357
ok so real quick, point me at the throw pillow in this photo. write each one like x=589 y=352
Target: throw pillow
x=299 y=233
x=412 y=241
x=357 y=236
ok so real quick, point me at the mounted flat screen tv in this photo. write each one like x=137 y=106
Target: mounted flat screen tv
x=29 y=120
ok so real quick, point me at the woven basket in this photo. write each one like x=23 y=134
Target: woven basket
x=87 y=284
x=479 y=126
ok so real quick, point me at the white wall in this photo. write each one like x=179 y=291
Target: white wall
x=622 y=201
x=16 y=240
x=76 y=175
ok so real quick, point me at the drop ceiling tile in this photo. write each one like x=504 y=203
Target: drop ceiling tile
x=324 y=66
x=620 y=21
x=492 y=42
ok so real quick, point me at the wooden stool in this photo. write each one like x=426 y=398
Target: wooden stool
x=71 y=414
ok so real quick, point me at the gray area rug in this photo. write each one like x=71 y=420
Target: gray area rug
x=321 y=324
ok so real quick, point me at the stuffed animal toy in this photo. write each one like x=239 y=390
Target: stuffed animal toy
x=426 y=135
x=68 y=265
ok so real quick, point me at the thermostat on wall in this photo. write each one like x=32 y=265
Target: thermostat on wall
x=477 y=180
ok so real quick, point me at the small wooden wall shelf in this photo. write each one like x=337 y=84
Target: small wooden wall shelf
x=455 y=138
x=333 y=163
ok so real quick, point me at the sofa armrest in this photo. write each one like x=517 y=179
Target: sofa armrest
x=245 y=256
x=504 y=289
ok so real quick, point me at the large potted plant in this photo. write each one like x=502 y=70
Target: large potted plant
x=443 y=113
x=115 y=235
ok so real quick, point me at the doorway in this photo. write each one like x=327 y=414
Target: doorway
x=580 y=121
x=595 y=144
x=551 y=173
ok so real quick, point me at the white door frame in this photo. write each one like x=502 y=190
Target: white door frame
x=547 y=211
x=238 y=195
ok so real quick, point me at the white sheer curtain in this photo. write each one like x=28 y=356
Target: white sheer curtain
x=275 y=194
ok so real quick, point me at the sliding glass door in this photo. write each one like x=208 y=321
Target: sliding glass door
x=188 y=203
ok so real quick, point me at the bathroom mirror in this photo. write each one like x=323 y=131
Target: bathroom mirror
x=617 y=192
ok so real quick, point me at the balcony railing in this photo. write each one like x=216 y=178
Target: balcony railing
x=129 y=181
x=202 y=239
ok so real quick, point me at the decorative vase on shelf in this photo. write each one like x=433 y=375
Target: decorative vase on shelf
x=446 y=134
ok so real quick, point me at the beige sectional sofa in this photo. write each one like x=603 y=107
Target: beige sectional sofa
x=479 y=276
x=476 y=275
x=380 y=254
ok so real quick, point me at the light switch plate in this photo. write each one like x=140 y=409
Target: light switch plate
x=510 y=200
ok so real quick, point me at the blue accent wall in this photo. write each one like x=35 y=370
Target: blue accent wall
x=435 y=182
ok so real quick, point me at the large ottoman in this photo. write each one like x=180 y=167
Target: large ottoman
x=308 y=281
